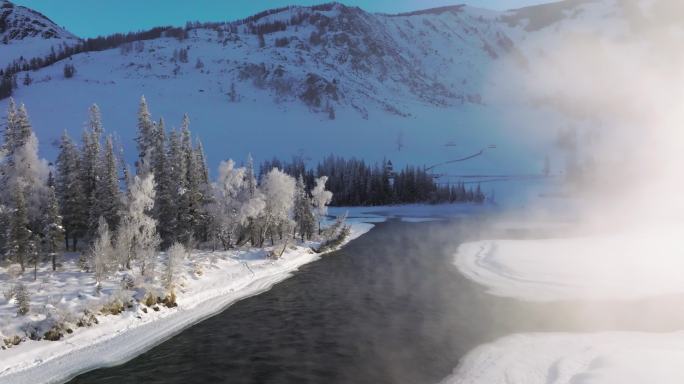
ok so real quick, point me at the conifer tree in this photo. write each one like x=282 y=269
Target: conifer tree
x=90 y=169
x=53 y=231
x=164 y=207
x=19 y=232
x=107 y=202
x=177 y=183
x=302 y=213
x=190 y=206
x=69 y=191
x=144 y=139
x=250 y=177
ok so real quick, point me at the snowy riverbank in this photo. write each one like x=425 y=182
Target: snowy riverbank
x=622 y=266
x=226 y=278
x=560 y=358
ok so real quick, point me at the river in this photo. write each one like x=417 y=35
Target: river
x=388 y=308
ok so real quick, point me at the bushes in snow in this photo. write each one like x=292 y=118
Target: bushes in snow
x=69 y=71
x=22 y=299
x=174 y=263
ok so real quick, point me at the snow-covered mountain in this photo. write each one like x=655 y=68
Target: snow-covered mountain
x=28 y=34
x=421 y=87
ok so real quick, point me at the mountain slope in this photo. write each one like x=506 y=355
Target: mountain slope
x=423 y=88
x=28 y=34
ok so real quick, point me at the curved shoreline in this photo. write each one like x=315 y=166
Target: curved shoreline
x=109 y=344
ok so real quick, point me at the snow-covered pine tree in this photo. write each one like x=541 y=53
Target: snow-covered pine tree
x=90 y=167
x=102 y=252
x=53 y=231
x=69 y=191
x=107 y=202
x=137 y=237
x=19 y=233
x=320 y=199
x=177 y=184
x=164 y=207
x=204 y=188
x=302 y=213
x=190 y=205
x=7 y=149
x=21 y=166
x=250 y=177
x=4 y=230
x=145 y=138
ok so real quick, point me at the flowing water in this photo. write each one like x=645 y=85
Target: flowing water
x=388 y=308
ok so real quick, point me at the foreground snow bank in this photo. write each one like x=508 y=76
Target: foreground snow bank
x=605 y=358
x=621 y=266
x=227 y=277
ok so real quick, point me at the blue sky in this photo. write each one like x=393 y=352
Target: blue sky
x=89 y=18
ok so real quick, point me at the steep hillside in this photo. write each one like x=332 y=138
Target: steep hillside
x=424 y=87
x=28 y=34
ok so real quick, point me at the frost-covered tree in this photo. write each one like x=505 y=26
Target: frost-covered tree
x=173 y=267
x=177 y=185
x=145 y=138
x=107 y=202
x=102 y=253
x=204 y=189
x=190 y=205
x=302 y=211
x=137 y=237
x=278 y=189
x=228 y=200
x=164 y=204
x=250 y=178
x=90 y=168
x=19 y=232
x=21 y=167
x=69 y=191
x=53 y=231
x=321 y=199
x=5 y=215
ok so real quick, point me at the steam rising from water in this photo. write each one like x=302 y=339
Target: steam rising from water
x=619 y=87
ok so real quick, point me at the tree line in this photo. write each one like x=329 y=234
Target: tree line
x=8 y=80
x=91 y=201
x=355 y=182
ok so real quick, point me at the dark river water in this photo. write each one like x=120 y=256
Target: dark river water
x=388 y=308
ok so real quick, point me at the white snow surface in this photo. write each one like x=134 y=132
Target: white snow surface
x=621 y=266
x=560 y=358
